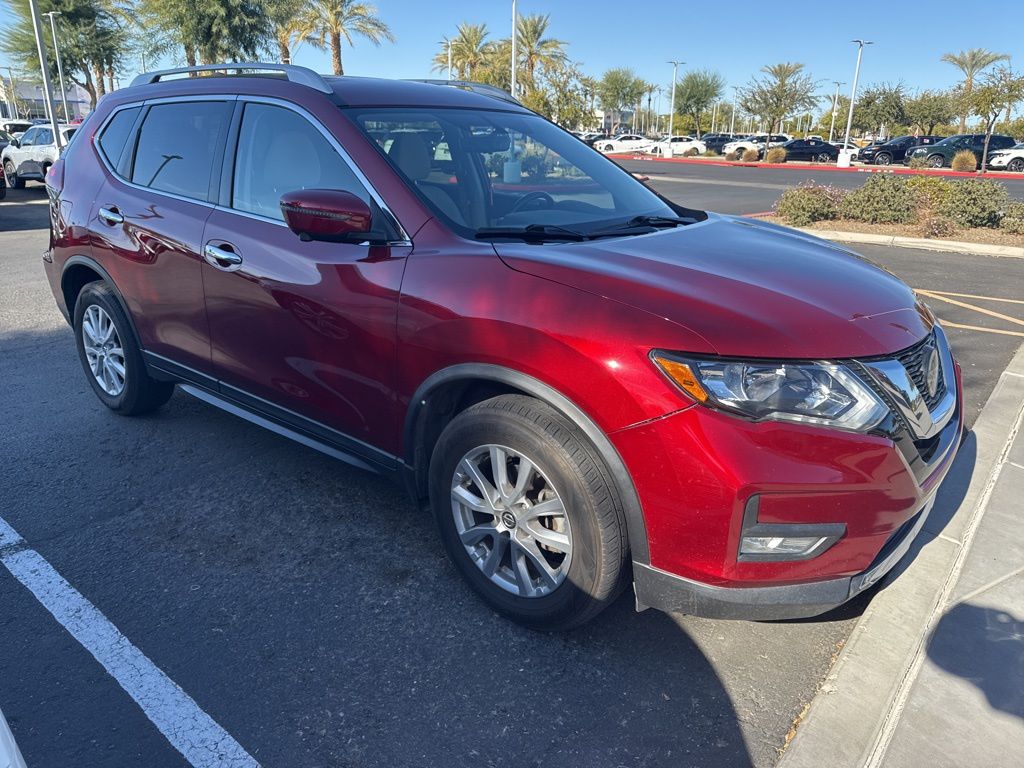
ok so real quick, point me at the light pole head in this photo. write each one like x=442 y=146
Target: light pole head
x=862 y=43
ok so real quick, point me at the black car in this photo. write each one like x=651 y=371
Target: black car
x=809 y=149
x=717 y=141
x=942 y=153
x=895 y=150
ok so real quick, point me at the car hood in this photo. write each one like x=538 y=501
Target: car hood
x=747 y=288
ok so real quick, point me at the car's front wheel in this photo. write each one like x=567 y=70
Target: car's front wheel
x=936 y=161
x=883 y=158
x=110 y=357
x=12 y=176
x=528 y=512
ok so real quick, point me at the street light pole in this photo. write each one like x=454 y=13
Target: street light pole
x=449 y=59
x=60 y=66
x=853 y=92
x=835 y=106
x=672 y=108
x=515 y=19
x=45 y=70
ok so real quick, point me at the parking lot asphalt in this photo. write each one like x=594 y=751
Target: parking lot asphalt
x=742 y=189
x=309 y=609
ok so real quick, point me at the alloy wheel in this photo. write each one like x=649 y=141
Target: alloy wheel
x=1016 y=165
x=511 y=521
x=103 y=350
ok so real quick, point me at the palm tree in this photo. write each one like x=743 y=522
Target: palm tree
x=971 y=62
x=533 y=49
x=290 y=25
x=332 y=20
x=469 y=50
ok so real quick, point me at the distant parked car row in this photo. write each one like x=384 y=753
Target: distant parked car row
x=30 y=157
x=941 y=153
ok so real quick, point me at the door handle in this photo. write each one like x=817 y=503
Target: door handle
x=221 y=256
x=110 y=216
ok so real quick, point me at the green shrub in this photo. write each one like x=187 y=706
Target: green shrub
x=932 y=191
x=775 y=155
x=883 y=199
x=691 y=152
x=732 y=156
x=917 y=162
x=750 y=156
x=964 y=160
x=934 y=225
x=1013 y=221
x=809 y=202
x=975 y=203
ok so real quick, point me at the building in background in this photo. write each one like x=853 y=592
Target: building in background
x=25 y=100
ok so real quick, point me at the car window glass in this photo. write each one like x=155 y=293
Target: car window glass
x=44 y=137
x=115 y=135
x=279 y=151
x=28 y=138
x=177 y=146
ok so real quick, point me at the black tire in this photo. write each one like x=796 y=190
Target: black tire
x=883 y=158
x=12 y=176
x=1016 y=165
x=597 y=570
x=936 y=161
x=3 y=186
x=141 y=393
x=609 y=147
x=824 y=157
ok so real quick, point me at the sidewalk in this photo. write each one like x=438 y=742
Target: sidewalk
x=933 y=673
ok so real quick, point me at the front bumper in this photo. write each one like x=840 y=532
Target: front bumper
x=698 y=470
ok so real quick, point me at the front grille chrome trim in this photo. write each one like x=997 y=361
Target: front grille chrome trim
x=898 y=384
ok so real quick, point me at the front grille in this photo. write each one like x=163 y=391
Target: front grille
x=915 y=360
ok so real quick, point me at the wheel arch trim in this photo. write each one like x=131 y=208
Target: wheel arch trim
x=636 y=528
x=86 y=261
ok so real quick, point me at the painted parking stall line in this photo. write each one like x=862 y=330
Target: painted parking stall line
x=191 y=731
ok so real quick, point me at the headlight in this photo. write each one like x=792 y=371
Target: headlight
x=811 y=393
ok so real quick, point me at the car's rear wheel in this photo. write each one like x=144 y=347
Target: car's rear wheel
x=528 y=512
x=12 y=176
x=883 y=158
x=936 y=161
x=1016 y=165
x=824 y=157
x=110 y=357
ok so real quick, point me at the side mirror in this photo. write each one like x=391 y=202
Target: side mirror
x=329 y=215
x=15 y=143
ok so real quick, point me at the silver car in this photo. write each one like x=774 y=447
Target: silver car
x=30 y=157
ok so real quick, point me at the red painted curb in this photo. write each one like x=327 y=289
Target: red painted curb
x=827 y=168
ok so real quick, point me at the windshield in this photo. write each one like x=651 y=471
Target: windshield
x=492 y=170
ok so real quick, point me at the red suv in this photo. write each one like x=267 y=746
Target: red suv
x=588 y=384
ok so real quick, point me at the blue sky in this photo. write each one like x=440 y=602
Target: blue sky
x=601 y=35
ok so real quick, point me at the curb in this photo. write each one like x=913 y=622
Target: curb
x=801 y=166
x=852 y=718
x=925 y=244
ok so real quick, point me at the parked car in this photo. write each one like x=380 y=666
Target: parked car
x=895 y=150
x=624 y=142
x=587 y=383
x=30 y=157
x=757 y=142
x=677 y=145
x=15 y=127
x=5 y=139
x=851 y=145
x=941 y=153
x=1011 y=159
x=809 y=149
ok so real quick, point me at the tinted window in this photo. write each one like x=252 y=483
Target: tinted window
x=44 y=137
x=177 y=146
x=114 y=136
x=29 y=137
x=280 y=151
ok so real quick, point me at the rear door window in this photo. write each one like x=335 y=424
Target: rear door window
x=178 y=147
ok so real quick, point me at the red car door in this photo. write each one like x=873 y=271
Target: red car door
x=146 y=224
x=303 y=332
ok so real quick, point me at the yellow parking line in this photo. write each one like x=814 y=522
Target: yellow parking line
x=965 y=305
x=971 y=296
x=950 y=324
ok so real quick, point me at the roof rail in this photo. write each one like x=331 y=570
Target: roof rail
x=294 y=74
x=482 y=88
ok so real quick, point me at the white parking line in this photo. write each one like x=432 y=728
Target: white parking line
x=177 y=716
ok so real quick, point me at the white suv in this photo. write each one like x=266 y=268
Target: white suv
x=1011 y=159
x=755 y=142
x=31 y=156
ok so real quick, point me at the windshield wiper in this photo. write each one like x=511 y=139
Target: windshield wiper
x=642 y=223
x=531 y=232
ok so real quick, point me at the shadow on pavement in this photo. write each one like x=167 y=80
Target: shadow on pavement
x=986 y=647
x=307 y=606
x=24 y=209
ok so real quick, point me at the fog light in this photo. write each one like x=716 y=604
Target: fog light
x=799 y=546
